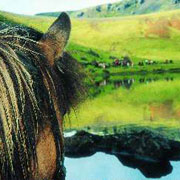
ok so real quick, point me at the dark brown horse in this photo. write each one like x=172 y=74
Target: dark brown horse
x=39 y=84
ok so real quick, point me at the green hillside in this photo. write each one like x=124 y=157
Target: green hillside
x=122 y=8
x=154 y=36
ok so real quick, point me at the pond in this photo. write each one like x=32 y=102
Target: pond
x=152 y=100
x=107 y=167
x=117 y=81
x=122 y=103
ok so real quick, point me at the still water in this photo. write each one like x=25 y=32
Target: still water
x=164 y=108
x=107 y=167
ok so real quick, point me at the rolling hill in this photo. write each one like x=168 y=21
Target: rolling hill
x=122 y=8
x=153 y=36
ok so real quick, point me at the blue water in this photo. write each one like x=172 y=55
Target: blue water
x=106 y=167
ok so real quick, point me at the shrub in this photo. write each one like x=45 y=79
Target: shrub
x=93 y=53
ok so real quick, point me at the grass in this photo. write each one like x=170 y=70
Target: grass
x=153 y=105
x=116 y=81
x=130 y=36
x=135 y=36
x=155 y=36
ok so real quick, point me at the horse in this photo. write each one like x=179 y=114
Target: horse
x=39 y=84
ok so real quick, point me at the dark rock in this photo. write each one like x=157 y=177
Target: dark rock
x=83 y=58
x=93 y=53
x=98 y=8
x=94 y=63
x=106 y=74
x=143 y=149
x=141 y=1
x=109 y=7
x=80 y=145
x=127 y=5
x=119 y=9
x=176 y=1
x=81 y=14
x=112 y=57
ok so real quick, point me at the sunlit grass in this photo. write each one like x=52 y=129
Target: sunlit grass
x=119 y=37
x=124 y=107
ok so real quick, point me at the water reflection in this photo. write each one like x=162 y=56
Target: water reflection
x=110 y=167
x=128 y=82
x=106 y=167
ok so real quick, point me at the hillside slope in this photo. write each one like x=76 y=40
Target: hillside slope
x=122 y=8
x=155 y=36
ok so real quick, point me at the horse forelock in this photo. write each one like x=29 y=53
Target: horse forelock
x=19 y=106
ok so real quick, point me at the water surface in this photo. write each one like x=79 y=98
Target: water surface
x=107 y=167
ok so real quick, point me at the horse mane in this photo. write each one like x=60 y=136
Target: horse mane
x=26 y=102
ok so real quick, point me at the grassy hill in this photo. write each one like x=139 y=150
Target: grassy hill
x=122 y=8
x=154 y=36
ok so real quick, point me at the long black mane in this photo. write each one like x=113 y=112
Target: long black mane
x=28 y=87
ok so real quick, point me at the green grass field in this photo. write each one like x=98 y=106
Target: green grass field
x=154 y=36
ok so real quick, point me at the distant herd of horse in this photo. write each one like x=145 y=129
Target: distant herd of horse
x=126 y=62
x=151 y=62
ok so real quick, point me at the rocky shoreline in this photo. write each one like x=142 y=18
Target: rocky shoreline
x=148 y=151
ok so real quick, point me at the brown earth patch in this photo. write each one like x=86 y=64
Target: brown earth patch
x=164 y=111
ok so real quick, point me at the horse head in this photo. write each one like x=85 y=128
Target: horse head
x=39 y=84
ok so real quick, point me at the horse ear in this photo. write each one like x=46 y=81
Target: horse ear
x=55 y=39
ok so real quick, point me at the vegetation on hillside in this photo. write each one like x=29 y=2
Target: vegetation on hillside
x=122 y=8
x=153 y=37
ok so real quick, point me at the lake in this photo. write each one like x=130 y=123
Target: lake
x=151 y=101
x=107 y=167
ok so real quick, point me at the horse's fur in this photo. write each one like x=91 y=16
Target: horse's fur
x=38 y=85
